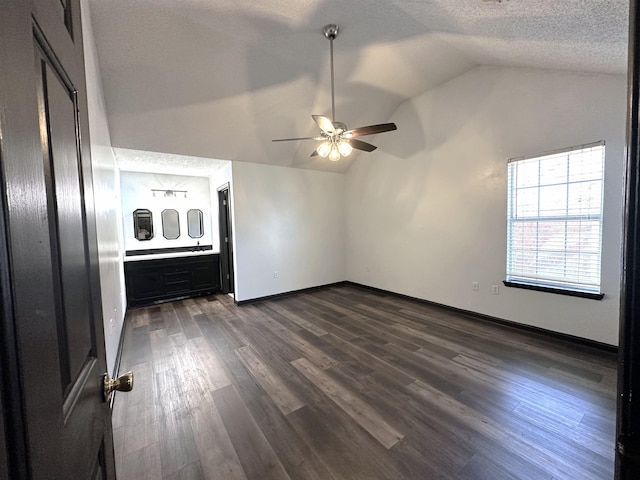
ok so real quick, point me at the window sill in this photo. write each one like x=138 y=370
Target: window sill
x=559 y=291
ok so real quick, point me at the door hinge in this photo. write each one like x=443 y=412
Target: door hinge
x=228 y=276
x=224 y=202
x=226 y=239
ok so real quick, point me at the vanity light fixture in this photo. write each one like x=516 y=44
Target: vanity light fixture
x=169 y=193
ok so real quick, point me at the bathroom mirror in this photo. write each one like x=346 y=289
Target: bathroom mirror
x=170 y=224
x=143 y=224
x=195 y=224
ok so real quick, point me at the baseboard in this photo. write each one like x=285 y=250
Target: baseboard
x=509 y=323
x=286 y=294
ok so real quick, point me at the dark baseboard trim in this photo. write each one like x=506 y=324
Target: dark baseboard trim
x=116 y=367
x=501 y=321
x=286 y=294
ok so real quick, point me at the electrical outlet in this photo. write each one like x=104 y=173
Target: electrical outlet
x=275 y=274
x=495 y=289
x=475 y=286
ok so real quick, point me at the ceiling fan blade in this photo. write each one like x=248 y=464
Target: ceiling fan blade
x=291 y=139
x=360 y=145
x=370 y=130
x=314 y=153
x=325 y=124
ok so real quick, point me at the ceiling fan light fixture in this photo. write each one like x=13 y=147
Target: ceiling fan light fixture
x=344 y=148
x=334 y=154
x=336 y=139
x=323 y=149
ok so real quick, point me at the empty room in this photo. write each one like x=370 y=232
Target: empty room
x=318 y=240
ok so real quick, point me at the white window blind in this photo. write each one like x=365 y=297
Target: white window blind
x=554 y=219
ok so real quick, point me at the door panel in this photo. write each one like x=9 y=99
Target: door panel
x=226 y=243
x=60 y=425
x=60 y=25
x=66 y=224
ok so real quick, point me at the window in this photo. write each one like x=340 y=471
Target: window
x=143 y=224
x=554 y=221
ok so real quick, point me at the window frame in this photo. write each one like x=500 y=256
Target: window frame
x=568 y=285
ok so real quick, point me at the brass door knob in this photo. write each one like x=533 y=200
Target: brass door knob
x=124 y=383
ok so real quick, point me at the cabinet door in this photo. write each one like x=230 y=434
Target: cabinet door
x=204 y=275
x=144 y=282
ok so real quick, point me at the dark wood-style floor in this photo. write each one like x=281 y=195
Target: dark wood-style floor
x=347 y=383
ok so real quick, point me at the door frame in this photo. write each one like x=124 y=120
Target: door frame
x=225 y=229
x=628 y=407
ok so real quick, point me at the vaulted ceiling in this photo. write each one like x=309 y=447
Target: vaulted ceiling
x=221 y=78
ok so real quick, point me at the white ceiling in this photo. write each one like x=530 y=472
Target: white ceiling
x=167 y=163
x=221 y=78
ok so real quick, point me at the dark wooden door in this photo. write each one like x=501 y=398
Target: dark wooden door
x=226 y=245
x=57 y=423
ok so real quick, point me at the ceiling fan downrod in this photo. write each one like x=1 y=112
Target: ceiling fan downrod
x=331 y=32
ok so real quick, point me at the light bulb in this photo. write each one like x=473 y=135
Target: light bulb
x=323 y=149
x=334 y=155
x=345 y=148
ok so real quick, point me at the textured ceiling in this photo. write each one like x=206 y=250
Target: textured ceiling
x=221 y=78
x=169 y=163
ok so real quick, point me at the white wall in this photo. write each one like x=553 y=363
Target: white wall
x=289 y=221
x=136 y=191
x=107 y=201
x=426 y=215
x=221 y=177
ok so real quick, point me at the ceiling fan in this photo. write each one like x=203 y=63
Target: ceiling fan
x=337 y=140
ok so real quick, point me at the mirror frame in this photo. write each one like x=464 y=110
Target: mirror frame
x=138 y=215
x=165 y=220
x=199 y=219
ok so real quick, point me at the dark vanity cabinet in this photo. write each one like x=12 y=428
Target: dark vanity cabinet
x=150 y=281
